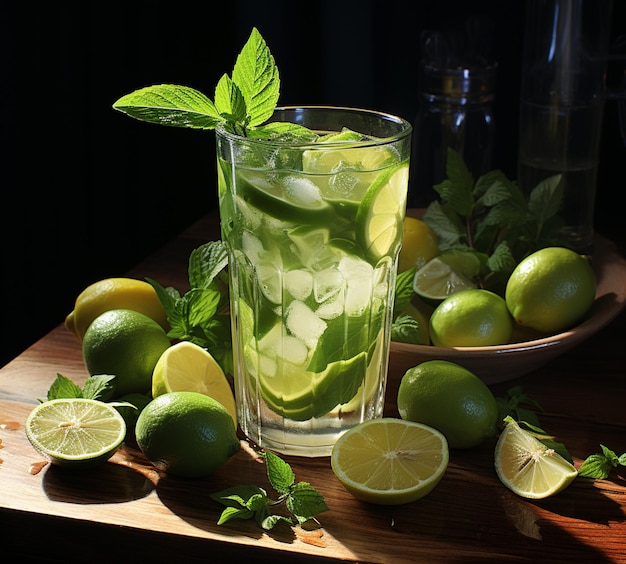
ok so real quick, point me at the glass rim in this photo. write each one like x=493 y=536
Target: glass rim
x=405 y=129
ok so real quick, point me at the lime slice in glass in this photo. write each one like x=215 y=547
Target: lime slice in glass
x=437 y=280
x=289 y=197
x=301 y=395
x=380 y=215
x=75 y=432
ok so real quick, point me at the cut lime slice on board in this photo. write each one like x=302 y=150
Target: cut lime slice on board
x=75 y=432
x=187 y=367
x=390 y=461
x=528 y=467
x=437 y=280
x=379 y=219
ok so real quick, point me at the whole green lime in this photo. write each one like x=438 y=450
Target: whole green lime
x=551 y=289
x=126 y=344
x=450 y=398
x=471 y=318
x=186 y=434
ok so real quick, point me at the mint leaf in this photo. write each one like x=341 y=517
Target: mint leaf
x=172 y=105
x=99 y=387
x=256 y=75
x=599 y=465
x=248 y=501
x=304 y=502
x=63 y=387
x=405 y=329
x=403 y=290
x=279 y=473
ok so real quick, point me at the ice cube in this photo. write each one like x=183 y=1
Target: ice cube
x=359 y=276
x=327 y=284
x=299 y=283
x=302 y=323
x=301 y=190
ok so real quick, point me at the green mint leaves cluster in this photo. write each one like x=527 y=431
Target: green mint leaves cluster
x=201 y=314
x=493 y=219
x=302 y=501
x=243 y=102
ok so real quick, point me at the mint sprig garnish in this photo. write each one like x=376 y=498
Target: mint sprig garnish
x=300 y=499
x=491 y=217
x=97 y=387
x=243 y=102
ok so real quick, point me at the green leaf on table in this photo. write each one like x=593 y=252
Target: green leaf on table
x=249 y=501
x=599 y=465
x=98 y=387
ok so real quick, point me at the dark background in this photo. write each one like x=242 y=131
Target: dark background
x=87 y=192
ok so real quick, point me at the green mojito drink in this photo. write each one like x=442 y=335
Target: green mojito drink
x=313 y=229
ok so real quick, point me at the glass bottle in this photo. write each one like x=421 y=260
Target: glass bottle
x=455 y=111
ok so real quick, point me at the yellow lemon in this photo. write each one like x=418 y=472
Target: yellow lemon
x=114 y=293
x=419 y=244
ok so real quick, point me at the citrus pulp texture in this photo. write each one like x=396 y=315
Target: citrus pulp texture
x=419 y=244
x=471 y=318
x=438 y=279
x=187 y=367
x=451 y=399
x=528 y=467
x=75 y=432
x=125 y=344
x=390 y=461
x=551 y=289
x=186 y=434
x=114 y=293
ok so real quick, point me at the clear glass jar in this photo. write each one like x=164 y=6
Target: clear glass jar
x=455 y=111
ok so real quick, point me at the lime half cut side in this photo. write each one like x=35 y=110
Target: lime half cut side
x=379 y=219
x=75 y=432
x=390 y=461
x=437 y=280
x=288 y=197
x=528 y=467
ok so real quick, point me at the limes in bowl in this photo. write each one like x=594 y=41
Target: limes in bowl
x=419 y=244
x=471 y=318
x=551 y=289
x=450 y=398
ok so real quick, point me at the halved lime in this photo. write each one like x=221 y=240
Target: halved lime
x=187 y=367
x=390 y=461
x=380 y=216
x=437 y=280
x=75 y=432
x=287 y=197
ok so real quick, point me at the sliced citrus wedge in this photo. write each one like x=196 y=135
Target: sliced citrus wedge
x=187 y=367
x=288 y=197
x=379 y=219
x=528 y=467
x=75 y=432
x=390 y=461
x=437 y=280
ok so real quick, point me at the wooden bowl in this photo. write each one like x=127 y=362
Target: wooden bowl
x=506 y=362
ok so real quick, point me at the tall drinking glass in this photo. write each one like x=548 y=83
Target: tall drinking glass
x=313 y=232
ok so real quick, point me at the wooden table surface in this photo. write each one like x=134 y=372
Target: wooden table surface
x=124 y=511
